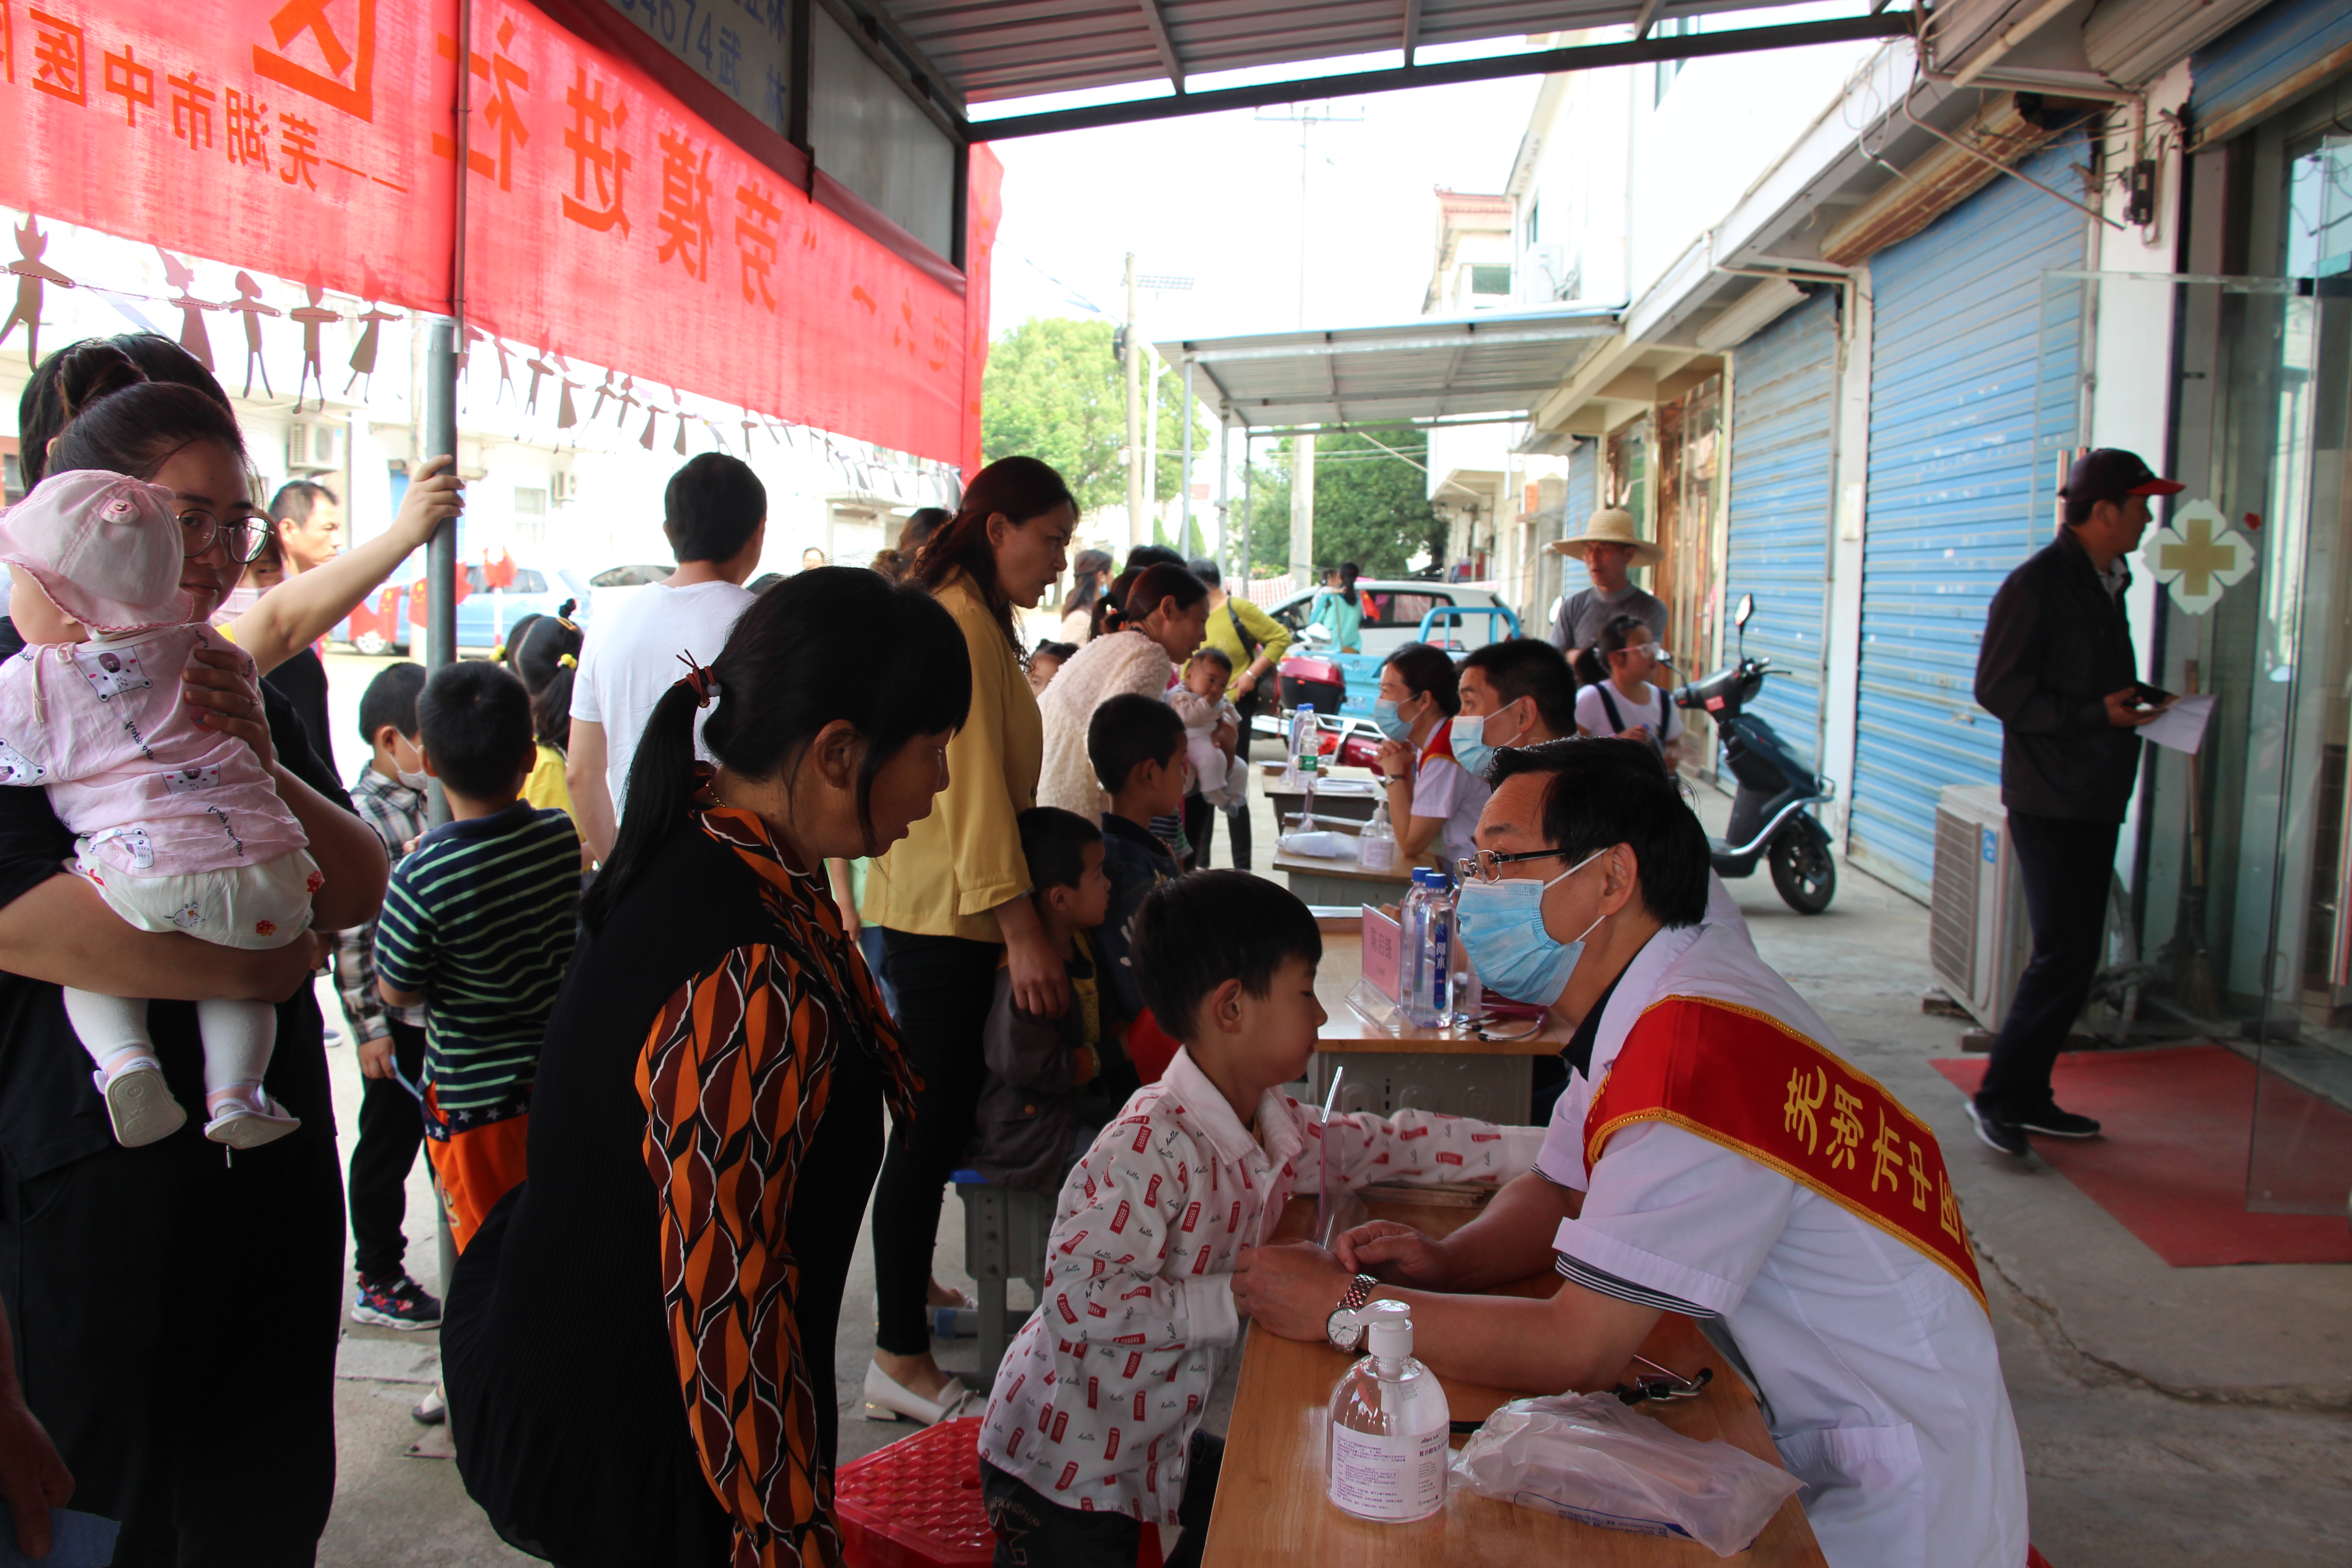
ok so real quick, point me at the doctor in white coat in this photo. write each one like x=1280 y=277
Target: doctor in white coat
x=1719 y=1156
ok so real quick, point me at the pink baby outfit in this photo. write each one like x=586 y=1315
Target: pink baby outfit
x=176 y=824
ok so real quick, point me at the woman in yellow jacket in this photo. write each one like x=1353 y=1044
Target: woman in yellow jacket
x=952 y=901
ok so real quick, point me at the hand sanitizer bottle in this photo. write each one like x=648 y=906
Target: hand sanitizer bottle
x=1386 y=1458
x=1376 y=844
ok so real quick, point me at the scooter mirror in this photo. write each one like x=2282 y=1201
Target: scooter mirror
x=1317 y=636
x=1741 y=616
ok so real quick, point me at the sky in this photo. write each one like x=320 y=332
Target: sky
x=1217 y=198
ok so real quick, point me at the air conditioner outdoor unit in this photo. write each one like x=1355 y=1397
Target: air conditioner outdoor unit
x=1978 y=937
x=562 y=486
x=314 y=445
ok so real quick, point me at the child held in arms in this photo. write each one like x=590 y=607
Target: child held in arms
x=477 y=925
x=1199 y=700
x=1053 y=1082
x=1094 y=1429
x=176 y=824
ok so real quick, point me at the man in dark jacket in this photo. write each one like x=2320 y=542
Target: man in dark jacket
x=2058 y=670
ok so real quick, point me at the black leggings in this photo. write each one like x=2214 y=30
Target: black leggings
x=945 y=984
x=390 y=1132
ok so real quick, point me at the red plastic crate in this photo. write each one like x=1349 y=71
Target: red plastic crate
x=915 y=1504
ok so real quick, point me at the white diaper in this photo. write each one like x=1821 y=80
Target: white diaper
x=261 y=906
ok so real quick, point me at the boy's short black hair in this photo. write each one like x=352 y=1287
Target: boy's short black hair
x=1215 y=656
x=1602 y=792
x=1127 y=731
x=1619 y=634
x=1195 y=933
x=474 y=719
x=712 y=507
x=1530 y=667
x=391 y=699
x=1054 y=842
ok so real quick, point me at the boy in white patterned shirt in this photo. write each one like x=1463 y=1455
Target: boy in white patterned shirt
x=1093 y=1429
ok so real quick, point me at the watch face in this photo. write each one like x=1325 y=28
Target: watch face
x=1343 y=1329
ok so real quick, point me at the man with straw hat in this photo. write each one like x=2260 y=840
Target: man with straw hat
x=1611 y=547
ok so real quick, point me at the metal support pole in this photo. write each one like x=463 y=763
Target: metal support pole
x=1249 y=512
x=444 y=338
x=1184 y=470
x=1302 y=512
x=1151 y=442
x=1224 y=491
x=1134 y=416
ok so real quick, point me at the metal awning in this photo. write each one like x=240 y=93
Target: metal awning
x=959 y=52
x=1419 y=372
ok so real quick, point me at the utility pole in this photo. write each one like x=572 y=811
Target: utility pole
x=1225 y=489
x=1184 y=470
x=1302 y=511
x=1151 y=443
x=1134 y=416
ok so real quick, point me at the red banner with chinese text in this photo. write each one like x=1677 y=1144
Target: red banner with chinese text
x=605 y=220
x=1749 y=1081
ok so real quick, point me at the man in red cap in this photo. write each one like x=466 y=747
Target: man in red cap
x=2058 y=670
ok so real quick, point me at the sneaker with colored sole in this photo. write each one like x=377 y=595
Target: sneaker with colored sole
x=395 y=1301
x=2057 y=1123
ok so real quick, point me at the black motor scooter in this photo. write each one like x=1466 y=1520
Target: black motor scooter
x=1770 y=821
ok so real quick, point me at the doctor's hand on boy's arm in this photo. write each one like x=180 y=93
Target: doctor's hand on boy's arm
x=1395 y=1252
x=1288 y=1287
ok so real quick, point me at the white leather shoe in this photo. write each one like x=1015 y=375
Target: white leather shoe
x=138 y=1105
x=888 y=1399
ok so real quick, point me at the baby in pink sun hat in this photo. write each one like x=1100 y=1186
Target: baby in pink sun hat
x=177 y=825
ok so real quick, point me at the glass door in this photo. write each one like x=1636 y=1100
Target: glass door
x=2239 y=894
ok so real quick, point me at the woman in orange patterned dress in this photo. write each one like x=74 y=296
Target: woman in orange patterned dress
x=708 y=1118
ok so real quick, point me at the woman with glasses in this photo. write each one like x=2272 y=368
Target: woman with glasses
x=185 y=1365
x=273 y=623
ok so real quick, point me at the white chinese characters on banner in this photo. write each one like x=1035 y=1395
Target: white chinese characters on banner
x=2198 y=555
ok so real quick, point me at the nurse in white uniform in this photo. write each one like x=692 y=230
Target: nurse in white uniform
x=1720 y=1157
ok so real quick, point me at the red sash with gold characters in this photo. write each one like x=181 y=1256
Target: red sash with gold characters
x=1747 y=1080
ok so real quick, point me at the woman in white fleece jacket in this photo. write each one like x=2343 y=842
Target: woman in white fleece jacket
x=1164 y=615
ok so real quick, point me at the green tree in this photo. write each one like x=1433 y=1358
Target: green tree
x=1371 y=504
x=1054 y=390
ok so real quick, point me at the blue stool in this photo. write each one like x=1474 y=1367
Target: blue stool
x=1005 y=1235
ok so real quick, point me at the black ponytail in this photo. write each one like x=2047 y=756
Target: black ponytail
x=117 y=419
x=545 y=652
x=831 y=643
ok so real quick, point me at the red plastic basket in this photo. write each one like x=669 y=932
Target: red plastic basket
x=915 y=1504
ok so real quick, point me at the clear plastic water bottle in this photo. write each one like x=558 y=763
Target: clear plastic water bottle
x=1376 y=844
x=1386 y=1456
x=1428 y=945
x=1410 y=925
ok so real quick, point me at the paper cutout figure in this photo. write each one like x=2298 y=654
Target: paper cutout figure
x=31 y=273
x=603 y=393
x=628 y=399
x=653 y=417
x=566 y=413
x=540 y=371
x=248 y=304
x=505 y=369
x=194 y=336
x=363 y=355
x=312 y=316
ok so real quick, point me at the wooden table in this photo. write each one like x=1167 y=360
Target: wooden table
x=1271 y=1508
x=1336 y=799
x=1430 y=1070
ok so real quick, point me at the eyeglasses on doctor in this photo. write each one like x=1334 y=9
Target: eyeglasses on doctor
x=244 y=537
x=1487 y=866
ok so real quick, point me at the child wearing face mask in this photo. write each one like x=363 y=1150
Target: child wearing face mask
x=177 y=825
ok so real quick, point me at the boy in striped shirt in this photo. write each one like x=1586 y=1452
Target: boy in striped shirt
x=477 y=925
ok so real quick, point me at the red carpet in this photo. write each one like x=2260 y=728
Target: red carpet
x=2172 y=1165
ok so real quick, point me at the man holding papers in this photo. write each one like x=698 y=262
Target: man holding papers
x=2058 y=670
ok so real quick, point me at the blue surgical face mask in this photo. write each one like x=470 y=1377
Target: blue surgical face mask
x=1389 y=722
x=1470 y=748
x=1502 y=929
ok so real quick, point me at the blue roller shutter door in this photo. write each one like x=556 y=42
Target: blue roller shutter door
x=1783 y=407
x=1954 y=443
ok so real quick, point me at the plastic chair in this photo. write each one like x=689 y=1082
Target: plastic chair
x=916 y=1504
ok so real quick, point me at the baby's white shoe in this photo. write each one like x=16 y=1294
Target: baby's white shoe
x=249 y=1123
x=139 y=1103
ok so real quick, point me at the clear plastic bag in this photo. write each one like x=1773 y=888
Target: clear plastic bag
x=1591 y=1458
